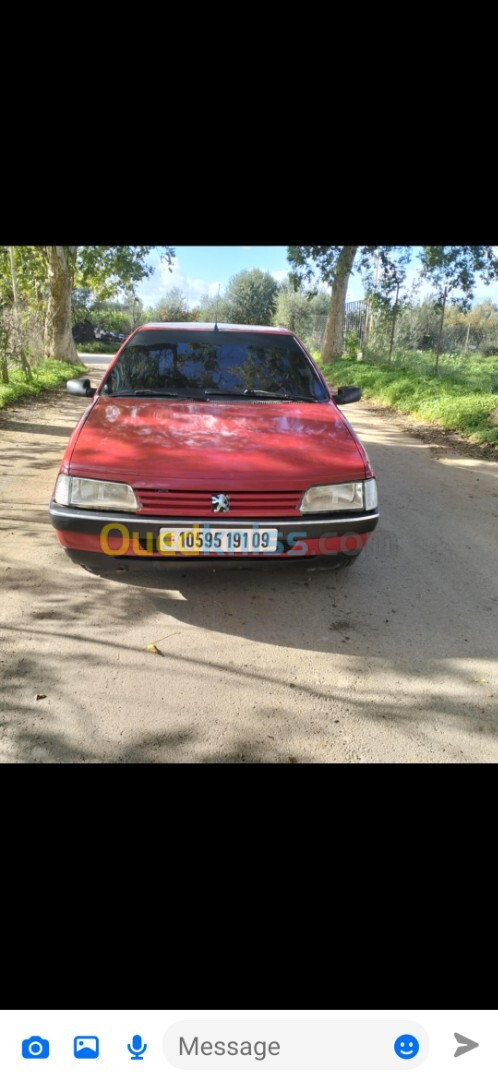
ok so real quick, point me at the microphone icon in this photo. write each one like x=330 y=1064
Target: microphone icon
x=137 y=1048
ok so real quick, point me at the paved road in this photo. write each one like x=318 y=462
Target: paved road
x=393 y=659
x=97 y=360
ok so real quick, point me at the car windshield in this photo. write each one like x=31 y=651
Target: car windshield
x=201 y=363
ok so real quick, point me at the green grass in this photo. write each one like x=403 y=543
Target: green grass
x=443 y=400
x=473 y=369
x=98 y=347
x=47 y=375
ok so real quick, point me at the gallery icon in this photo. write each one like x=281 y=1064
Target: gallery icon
x=137 y=1048
x=35 y=1047
x=86 y=1046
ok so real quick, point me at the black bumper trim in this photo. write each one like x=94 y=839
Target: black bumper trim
x=95 y=560
x=85 y=521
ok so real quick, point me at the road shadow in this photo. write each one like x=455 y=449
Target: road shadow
x=36 y=429
x=392 y=638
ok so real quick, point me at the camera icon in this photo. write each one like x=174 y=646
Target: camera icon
x=35 y=1047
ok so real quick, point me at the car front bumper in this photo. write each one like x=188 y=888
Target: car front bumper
x=319 y=537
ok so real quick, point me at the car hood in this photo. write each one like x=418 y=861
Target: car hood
x=238 y=443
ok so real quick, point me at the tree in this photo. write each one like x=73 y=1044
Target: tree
x=453 y=270
x=60 y=264
x=114 y=316
x=212 y=309
x=19 y=329
x=251 y=297
x=299 y=312
x=25 y=266
x=104 y=270
x=173 y=307
x=333 y=265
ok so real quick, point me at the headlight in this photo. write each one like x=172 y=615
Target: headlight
x=95 y=494
x=358 y=495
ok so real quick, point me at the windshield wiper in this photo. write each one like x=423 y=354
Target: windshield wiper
x=198 y=395
x=270 y=394
x=259 y=393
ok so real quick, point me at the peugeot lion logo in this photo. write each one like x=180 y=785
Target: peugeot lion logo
x=220 y=503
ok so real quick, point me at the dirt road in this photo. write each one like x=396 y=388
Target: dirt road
x=393 y=659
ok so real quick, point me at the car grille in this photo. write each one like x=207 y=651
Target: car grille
x=172 y=503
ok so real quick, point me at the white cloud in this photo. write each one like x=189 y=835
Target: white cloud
x=152 y=289
x=279 y=275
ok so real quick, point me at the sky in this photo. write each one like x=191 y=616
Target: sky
x=199 y=270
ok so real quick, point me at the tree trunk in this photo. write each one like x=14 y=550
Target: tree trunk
x=438 y=346
x=14 y=278
x=333 y=343
x=59 y=341
x=395 y=312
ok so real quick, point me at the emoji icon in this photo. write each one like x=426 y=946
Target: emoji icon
x=406 y=1046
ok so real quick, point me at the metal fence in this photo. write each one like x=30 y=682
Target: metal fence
x=356 y=319
x=469 y=349
x=417 y=328
x=356 y=316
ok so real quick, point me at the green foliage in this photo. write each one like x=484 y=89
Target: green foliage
x=104 y=347
x=314 y=265
x=469 y=336
x=302 y=314
x=30 y=274
x=251 y=297
x=106 y=270
x=114 y=316
x=103 y=271
x=450 y=269
x=46 y=375
x=351 y=345
x=441 y=400
x=213 y=308
x=173 y=307
x=475 y=370
x=21 y=342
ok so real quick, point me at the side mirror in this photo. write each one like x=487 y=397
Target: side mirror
x=347 y=394
x=81 y=387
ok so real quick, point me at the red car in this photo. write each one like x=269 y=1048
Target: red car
x=222 y=443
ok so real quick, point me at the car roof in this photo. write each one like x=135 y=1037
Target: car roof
x=210 y=326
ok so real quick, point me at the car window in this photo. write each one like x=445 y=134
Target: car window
x=215 y=361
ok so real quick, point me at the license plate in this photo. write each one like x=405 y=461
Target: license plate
x=205 y=541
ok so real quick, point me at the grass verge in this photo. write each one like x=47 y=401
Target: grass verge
x=47 y=375
x=440 y=400
x=99 y=347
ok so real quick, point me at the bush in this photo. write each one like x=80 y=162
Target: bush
x=21 y=342
x=351 y=345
